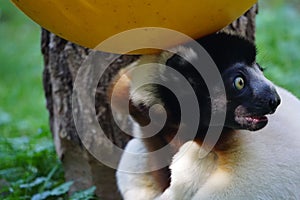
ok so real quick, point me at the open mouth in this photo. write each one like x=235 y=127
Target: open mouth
x=252 y=123
x=256 y=119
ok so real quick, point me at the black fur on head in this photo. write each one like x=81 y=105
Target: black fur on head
x=227 y=50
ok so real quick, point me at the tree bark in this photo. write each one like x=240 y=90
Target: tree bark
x=62 y=60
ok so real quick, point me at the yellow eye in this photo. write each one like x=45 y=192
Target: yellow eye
x=239 y=83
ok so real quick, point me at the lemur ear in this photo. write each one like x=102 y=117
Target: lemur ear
x=120 y=86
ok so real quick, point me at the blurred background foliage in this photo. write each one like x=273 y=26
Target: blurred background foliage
x=29 y=168
x=278 y=42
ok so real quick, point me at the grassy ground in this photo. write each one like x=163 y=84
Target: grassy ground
x=28 y=164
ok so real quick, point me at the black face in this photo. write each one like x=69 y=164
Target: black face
x=250 y=96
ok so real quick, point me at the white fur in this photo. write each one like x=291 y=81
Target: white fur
x=265 y=165
x=188 y=157
x=135 y=186
x=140 y=75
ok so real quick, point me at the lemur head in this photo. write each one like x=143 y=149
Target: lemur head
x=250 y=96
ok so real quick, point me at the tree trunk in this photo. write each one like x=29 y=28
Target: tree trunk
x=62 y=60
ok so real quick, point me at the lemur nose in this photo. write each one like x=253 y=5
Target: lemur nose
x=274 y=102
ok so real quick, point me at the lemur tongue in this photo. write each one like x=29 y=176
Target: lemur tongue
x=256 y=119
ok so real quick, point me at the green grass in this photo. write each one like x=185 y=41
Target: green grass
x=28 y=163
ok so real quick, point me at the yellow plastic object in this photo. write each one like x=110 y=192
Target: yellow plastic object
x=89 y=22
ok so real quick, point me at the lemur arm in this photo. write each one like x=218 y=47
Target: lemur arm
x=138 y=186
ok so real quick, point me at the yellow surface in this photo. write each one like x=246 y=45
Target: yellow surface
x=89 y=22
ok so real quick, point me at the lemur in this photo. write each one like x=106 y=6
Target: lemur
x=249 y=98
